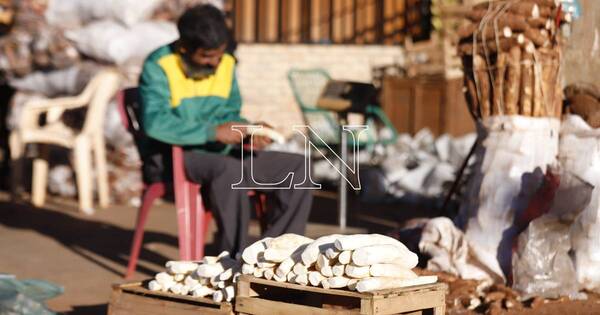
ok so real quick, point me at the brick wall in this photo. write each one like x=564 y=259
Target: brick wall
x=262 y=74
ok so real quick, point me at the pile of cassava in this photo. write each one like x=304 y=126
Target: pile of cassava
x=511 y=57
x=361 y=262
x=212 y=276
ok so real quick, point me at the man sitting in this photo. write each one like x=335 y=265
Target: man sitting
x=190 y=97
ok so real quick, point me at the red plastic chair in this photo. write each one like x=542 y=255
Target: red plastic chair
x=192 y=216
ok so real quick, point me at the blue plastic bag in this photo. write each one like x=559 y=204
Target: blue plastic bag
x=26 y=297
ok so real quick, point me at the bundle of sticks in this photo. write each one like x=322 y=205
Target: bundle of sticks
x=511 y=56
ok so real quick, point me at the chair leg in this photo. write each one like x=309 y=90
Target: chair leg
x=156 y=190
x=197 y=221
x=206 y=223
x=260 y=206
x=40 y=177
x=182 y=203
x=101 y=171
x=17 y=150
x=83 y=172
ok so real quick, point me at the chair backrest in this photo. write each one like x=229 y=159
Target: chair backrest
x=156 y=156
x=307 y=85
x=129 y=107
x=99 y=92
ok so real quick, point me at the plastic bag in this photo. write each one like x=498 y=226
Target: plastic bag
x=580 y=154
x=503 y=179
x=61 y=181
x=542 y=264
x=110 y=41
x=26 y=297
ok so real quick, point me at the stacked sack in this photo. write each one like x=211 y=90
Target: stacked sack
x=213 y=275
x=361 y=262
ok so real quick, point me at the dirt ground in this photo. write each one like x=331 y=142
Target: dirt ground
x=86 y=254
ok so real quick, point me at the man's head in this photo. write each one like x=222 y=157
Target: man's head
x=203 y=38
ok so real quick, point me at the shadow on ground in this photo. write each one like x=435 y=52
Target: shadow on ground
x=100 y=309
x=84 y=236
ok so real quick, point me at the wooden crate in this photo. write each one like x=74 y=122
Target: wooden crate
x=436 y=103
x=135 y=299
x=260 y=296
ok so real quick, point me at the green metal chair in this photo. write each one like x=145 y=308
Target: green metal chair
x=307 y=85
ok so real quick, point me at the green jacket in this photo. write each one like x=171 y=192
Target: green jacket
x=182 y=111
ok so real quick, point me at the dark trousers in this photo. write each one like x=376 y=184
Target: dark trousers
x=287 y=209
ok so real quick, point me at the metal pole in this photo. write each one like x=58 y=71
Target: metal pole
x=343 y=189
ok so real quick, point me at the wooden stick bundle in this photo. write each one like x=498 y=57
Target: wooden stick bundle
x=511 y=58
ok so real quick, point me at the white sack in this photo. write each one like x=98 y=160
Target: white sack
x=511 y=149
x=110 y=41
x=67 y=81
x=74 y=13
x=449 y=250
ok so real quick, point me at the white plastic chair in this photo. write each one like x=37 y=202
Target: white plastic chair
x=90 y=140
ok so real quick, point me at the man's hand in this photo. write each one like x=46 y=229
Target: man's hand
x=225 y=134
x=260 y=142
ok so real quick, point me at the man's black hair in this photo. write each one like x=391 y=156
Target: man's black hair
x=202 y=26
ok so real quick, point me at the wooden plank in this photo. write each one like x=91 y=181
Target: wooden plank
x=268 y=19
x=114 y=295
x=457 y=119
x=399 y=22
x=145 y=292
x=294 y=21
x=388 y=18
x=325 y=21
x=316 y=10
x=411 y=290
x=348 y=16
x=237 y=12
x=127 y=303
x=390 y=301
x=361 y=21
x=292 y=286
x=370 y=21
x=247 y=22
x=397 y=101
x=405 y=290
x=428 y=97
x=440 y=310
x=337 y=34
x=260 y=306
x=366 y=306
x=409 y=303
